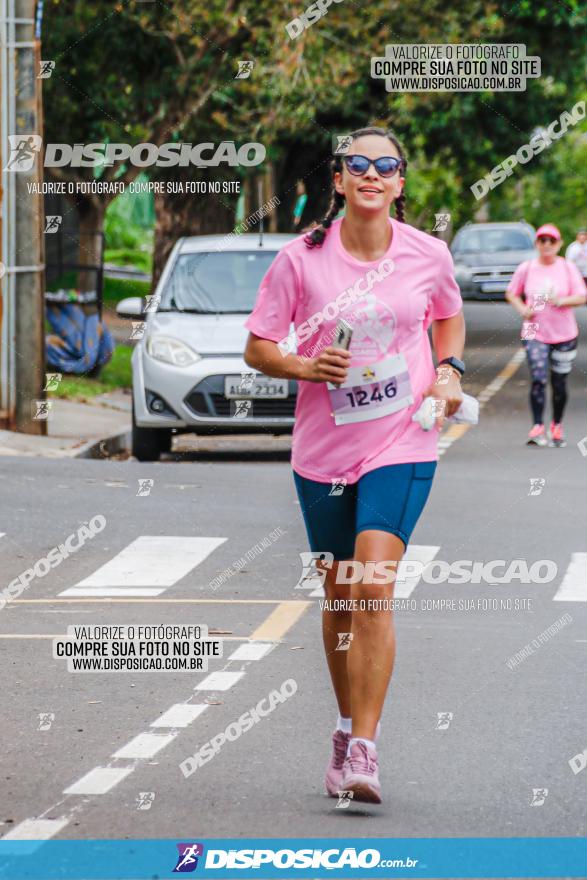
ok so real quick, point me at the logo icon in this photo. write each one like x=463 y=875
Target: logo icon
x=41 y=409
x=539 y=795
x=443 y=374
x=438 y=407
x=187 y=861
x=46 y=69
x=343 y=142
x=444 y=719
x=152 y=302
x=368 y=373
x=313 y=575
x=138 y=329
x=45 y=720
x=529 y=330
x=244 y=69
x=338 y=484
x=246 y=383
x=441 y=222
x=23 y=151
x=240 y=409
x=145 y=486
x=344 y=799
x=145 y=800
x=52 y=381
x=344 y=641
x=52 y=222
x=536 y=485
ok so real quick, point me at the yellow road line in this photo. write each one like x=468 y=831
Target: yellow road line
x=456 y=431
x=281 y=619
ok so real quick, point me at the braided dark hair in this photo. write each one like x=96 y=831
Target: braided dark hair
x=316 y=236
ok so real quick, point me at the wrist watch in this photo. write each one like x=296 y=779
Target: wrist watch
x=455 y=363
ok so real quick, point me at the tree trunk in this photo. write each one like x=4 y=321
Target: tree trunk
x=91 y=224
x=181 y=214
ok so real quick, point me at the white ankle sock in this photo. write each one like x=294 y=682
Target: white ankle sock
x=359 y=739
x=346 y=725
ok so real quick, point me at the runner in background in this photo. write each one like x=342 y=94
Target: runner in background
x=353 y=426
x=300 y=204
x=577 y=252
x=552 y=287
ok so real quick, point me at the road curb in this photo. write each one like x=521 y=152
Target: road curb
x=105 y=446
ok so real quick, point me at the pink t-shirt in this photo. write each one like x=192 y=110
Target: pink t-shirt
x=549 y=323
x=390 y=303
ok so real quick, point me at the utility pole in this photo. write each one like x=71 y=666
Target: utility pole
x=22 y=307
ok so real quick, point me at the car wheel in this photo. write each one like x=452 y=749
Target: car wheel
x=149 y=443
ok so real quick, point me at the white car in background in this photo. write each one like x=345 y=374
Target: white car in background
x=188 y=369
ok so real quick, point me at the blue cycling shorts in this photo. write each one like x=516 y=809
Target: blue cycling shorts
x=389 y=499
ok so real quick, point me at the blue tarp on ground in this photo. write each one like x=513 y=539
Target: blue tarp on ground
x=79 y=342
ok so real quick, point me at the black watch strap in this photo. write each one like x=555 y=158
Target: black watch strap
x=455 y=363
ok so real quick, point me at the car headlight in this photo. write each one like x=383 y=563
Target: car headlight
x=462 y=273
x=171 y=351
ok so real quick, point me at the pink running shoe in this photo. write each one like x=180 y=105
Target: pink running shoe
x=537 y=436
x=360 y=774
x=333 y=778
x=556 y=435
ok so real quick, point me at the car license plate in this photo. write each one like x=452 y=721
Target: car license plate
x=494 y=286
x=259 y=387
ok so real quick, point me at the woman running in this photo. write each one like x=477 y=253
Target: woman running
x=354 y=427
x=552 y=286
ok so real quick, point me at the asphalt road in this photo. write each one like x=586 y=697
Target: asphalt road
x=513 y=729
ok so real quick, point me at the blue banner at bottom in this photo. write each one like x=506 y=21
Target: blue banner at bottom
x=530 y=857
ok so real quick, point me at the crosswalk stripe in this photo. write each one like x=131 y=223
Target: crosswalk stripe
x=150 y=561
x=145 y=745
x=180 y=715
x=251 y=651
x=99 y=780
x=408 y=575
x=219 y=681
x=573 y=587
x=34 y=830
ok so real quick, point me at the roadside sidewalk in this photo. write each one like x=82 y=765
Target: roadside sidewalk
x=77 y=430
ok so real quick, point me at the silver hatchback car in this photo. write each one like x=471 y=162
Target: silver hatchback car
x=188 y=369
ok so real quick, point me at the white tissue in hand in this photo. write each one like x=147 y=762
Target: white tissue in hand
x=425 y=414
x=467 y=413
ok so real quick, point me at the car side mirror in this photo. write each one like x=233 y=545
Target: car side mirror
x=131 y=307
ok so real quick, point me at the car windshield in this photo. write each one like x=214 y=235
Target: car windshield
x=490 y=241
x=218 y=281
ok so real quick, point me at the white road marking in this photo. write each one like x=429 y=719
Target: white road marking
x=407 y=581
x=408 y=576
x=252 y=651
x=574 y=584
x=149 y=561
x=179 y=715
x=99 y=780
x=219 y=681
x=35 y=829
x=145 y=745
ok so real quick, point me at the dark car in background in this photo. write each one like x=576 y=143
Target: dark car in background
x=486 y=255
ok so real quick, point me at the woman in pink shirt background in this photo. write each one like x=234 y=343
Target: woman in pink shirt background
x=552 y=287
x=362 y=468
